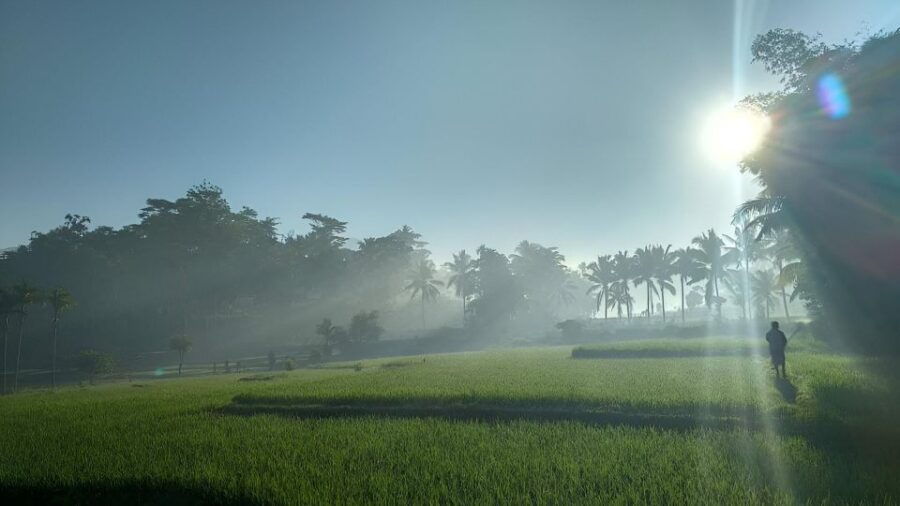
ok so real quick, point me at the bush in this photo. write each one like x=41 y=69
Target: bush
x=289 y=364
x=94 y=363
x=570 y=328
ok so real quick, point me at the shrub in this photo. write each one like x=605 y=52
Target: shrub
x=94 y=363
x=570 y=328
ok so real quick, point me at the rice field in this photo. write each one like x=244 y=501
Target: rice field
x=471 y=428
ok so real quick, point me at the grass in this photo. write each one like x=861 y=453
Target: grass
x=693 y=347
x=176 y=440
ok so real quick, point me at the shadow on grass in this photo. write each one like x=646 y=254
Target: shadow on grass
x=131 y=493
x=481 y=411
x=822 y=431
x=787 y=390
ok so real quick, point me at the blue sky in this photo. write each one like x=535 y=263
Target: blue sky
x=572 y=124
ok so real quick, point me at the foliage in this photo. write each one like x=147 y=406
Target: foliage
x=570 y=328
x=825 y=178
x=601 y=274
x=498 y=294
x=333 y=335
x=364 y=327
x=94 y=363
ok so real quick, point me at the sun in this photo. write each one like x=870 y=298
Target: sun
x=731 y=133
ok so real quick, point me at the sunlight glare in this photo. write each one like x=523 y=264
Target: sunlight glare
x=732 y=133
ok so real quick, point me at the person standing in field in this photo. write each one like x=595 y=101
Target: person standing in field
x=777 y=343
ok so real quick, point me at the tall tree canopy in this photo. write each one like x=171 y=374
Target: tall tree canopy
x=830 y=170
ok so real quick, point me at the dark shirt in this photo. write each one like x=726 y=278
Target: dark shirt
x=777 y=341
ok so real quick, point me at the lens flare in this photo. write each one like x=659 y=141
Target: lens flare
x=832 y=96
x=733 y=133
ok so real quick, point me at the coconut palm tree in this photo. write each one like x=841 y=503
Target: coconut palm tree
x=461 y=277
x=663 y=258
x=24 y=295
x=763 y=288
x=423 y=285
x=783 y=253
x=60 y=301
x=688 y=268
x=562 y=295
x=618 y=296
x=623 y=268
x=644 y=272
x=709 y=253
x=765 y=214
x=601 y=273
x=743 y=249
x=738 y=286
x=7 y=308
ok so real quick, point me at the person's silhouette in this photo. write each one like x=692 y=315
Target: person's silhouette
x=777 y=343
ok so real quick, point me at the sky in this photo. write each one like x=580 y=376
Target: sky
x=572 y=124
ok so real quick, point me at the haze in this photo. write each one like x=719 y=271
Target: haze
x=472 y=122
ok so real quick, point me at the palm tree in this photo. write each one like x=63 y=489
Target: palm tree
x=663 y=260
x=461 y=277
x=743 y=249
x=709 y=254
x=783 y=253
x=562 y=295
x=618 y=295
x=763 y=287
x=687 y=267
x=766 y=214
x=602 y=274
x=644 y=272
x=7 y=308
x=181 y=344
x=623 y=267
x=423 y=284
x=738 y=286
x=24 y=295
x=59 y=300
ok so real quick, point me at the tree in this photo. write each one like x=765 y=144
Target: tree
x=542 y=275
x=498 y=294
x=24 y=295
x=181 y=344
x=663 y=258
x=601 y=273
x=738 y=285
x=332 y=335
x=832 y=147
x=364 y=327
x=763 y=288
x=623 y=268
x=782 y=251
x=619 y=296
x=7 y=308
x=60 y=301
x=644 y=272
x=709 y=254
x=461 y=277
x=695 y=297
x=744 y=249
x=688 y=268
x=570 y=329
x=94 y=363
x=423 y=285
